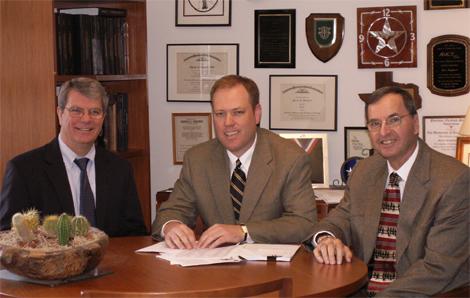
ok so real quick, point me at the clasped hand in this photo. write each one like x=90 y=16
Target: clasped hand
x=179 y=235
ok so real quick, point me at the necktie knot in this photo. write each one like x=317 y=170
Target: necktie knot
x=394 y=179
x=81 y=163
x=238 y=164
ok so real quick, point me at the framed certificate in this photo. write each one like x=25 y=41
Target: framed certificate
x=316 y=146
x=192 y=69
x=275 y=38
x=189 y=129
x=463 y=150
x=203 y=12
x=445 y=4
x=440 y=132
x=302 y=102
x=356 y=142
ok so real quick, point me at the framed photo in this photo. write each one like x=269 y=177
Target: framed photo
x=356 y=142
x=463 y=150
x=189 y=129
x=192 y=69
x=440 y=132
x=275 y=38
x=445 y=4
x=316 y=146
x=203 y=12
x=303 y=102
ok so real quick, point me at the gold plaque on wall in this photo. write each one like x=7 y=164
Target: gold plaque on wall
x=386 y=37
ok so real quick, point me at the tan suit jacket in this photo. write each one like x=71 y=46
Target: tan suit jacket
x=278 y=203
x=433 y=227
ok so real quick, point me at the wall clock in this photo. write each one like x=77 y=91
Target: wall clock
x=386 y=37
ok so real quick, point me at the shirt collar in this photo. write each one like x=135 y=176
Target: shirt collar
x=404 y=170
x=69 y=156
x=245 y=158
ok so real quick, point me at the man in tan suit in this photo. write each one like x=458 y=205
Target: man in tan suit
x=271 y=200
x=415 y=237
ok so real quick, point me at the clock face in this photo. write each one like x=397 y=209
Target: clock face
x=203 y=5
x=386 y=37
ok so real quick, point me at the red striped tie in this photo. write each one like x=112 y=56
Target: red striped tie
x=384 y=257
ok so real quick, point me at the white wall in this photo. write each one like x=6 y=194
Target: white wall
x=351 y=80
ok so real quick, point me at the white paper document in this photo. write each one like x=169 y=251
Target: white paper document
x=226 y=254
x=330 y=196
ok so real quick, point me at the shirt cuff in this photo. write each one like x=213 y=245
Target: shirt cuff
x=318 y=235
x=163 y=227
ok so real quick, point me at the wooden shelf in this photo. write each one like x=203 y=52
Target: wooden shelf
x=104 y=78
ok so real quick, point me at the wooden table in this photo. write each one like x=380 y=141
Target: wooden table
x=144 y=272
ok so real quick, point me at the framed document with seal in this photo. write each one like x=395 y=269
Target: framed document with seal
x=302 y=102
x=325 y=33
x=463 y=150
x=316 y=146
x=356 y=142
x=189 y=129
x=192 y=69
x=440 y=132
x=386 y=37
x=203 y=12
x=448 y=65
x=445 y=4
x=275 y=38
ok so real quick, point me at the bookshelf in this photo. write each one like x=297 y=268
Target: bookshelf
x=134 y=82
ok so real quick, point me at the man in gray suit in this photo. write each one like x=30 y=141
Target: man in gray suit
x=271 y=200
x=415 y=236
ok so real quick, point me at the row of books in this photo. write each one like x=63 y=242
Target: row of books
x=114 y=135
x=92 y=41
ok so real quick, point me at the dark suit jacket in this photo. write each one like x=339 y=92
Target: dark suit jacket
x=38 y=179
x=433 y=227
x=278 y=202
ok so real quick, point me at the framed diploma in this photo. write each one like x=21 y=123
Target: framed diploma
x=463 y=150
x=203 y=12
x=275 y=38
x=440 y=132
x=189 y=129
x=356 y=142
x=303 y=102
x=448 y=65
x=316 y=146
x=192 y=69
x=445 y=4
x=386 y=37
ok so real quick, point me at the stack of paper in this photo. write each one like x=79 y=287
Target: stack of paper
x=226 y=254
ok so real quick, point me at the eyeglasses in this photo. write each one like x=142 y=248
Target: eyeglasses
x=76 y=112
x=390 y=122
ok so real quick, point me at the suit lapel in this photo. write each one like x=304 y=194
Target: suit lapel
x=258 y=176
x=413 y=197
x=58 y=176
x=374 y=189
x=219 y=181
x=103 y=192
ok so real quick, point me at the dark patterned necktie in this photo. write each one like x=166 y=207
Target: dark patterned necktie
x=237 y=186
x=384 y=257
x=87 y=201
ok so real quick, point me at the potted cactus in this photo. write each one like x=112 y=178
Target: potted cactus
x=60 y=247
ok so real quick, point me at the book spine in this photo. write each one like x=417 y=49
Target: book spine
x=122 y=121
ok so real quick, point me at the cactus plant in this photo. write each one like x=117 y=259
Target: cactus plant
x=23 y=230
x=31 y=218
x=64 y=229
x=49 y=225
x=80 y=226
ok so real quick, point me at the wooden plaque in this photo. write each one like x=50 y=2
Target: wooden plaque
x=386 y=37
x=445 y=4
x=448 y=65
x=325 y=33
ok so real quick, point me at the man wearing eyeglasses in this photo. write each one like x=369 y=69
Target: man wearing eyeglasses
x=405 y=211
x=70 y=174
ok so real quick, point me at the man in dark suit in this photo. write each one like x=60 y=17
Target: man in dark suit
x=273 y=204
x=51 y=180
x=415 y=234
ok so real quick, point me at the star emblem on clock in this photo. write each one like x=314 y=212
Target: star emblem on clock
x=386 y=37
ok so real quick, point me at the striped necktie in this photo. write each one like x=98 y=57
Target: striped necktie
x=384 y=257
x=237 y=186
x=87 y=201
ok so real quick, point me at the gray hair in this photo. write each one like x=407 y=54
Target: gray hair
x=86 y=86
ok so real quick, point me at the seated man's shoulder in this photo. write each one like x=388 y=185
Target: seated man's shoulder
x=29 y=157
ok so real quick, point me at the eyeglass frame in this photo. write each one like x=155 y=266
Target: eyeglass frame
x=389 y=122
x=82 y=112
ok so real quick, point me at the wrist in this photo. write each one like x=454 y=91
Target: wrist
x=323 y=237
x=245 y=232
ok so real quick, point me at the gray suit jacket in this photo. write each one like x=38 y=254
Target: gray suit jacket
x=433 y=228
x=278 y=204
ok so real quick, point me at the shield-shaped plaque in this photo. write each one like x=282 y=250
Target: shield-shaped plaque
x=325 y=32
